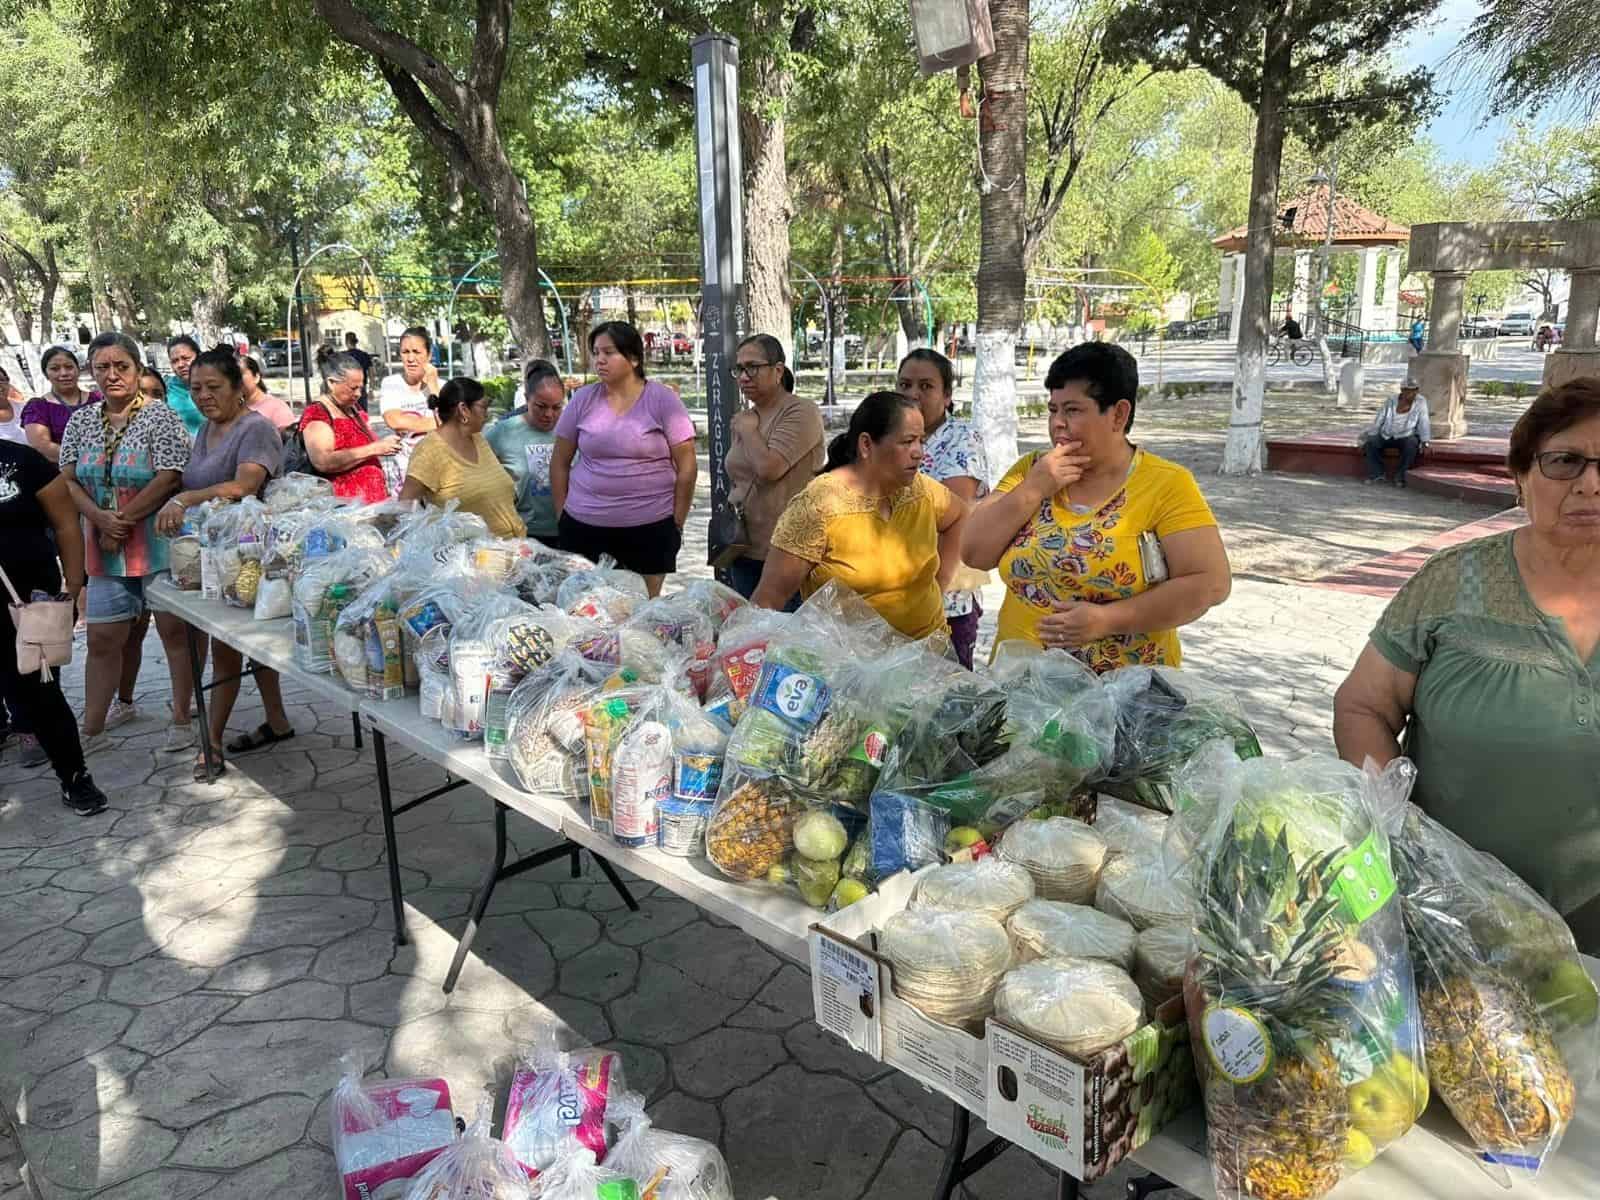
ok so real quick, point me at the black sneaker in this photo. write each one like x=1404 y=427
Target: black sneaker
x=82 y=796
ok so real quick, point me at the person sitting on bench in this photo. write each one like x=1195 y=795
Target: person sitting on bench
x=1402 y=423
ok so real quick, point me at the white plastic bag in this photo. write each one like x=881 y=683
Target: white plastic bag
x=387 y=1131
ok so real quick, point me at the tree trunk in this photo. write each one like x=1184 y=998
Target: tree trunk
x=518 y=243
x=16 y=300
x=212 y=299
x=48 y=287
x=1242 y=453
x=1002 y=278
x=767 y=207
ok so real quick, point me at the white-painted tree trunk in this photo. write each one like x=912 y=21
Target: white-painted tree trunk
x=1242 y=453
x=994 y=401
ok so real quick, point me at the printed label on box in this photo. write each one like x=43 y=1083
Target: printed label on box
x=1035 y=1099
x=949 y=1060
x=844 y=993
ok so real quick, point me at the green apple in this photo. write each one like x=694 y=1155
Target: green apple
x=1380 y=1109
x=1358 y=1149
x=845 y=893
x=1409 y=1079
x=1566 y=993
x=960 y=838
x=816 y=880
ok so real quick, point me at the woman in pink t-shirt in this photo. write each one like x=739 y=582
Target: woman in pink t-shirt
x=631 y=488
x=258 y=399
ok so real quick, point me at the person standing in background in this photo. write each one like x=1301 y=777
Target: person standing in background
x=524 y=441
x=403 y=399
x=11 y=410
x=777 y=450
x=181 y=353
x=45 y=418
x=258 y=399
x=352 y=347
x=339 y=438
x=952 y=453
x=632 y=487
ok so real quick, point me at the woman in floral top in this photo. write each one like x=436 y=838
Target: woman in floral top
x=952 y=453
x=122 y=459
x=1065 y=527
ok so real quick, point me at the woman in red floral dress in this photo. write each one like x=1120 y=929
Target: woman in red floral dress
x=338 y=439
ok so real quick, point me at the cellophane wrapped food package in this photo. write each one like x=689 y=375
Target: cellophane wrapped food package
x=557 y=1103
x=368 y=651
x=325 y=588
x=501 y=558
x=686 y=630
x=187 y=554
x=239 y=569
x=712 y=597
x=665 y=1165
x=1057 y=706
x=1164 y=717
x=523 y=642
x=384 y=516
x=435 y=530
x=813 y=737
x=579 y=1176
x=605 y=593
x=295 y=491
x=1300 y=994
x=286 y=530
x=544 y=724
x=607 y=718
x=1510 y=1017
x=474 y=1167
x=477 y=663
x=540 y=576
x=385 y=1132
x=741 y=649
x=668 y=748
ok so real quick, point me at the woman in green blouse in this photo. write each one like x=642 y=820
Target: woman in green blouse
x=1485 y=670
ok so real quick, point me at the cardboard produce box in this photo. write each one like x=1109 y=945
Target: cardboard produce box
x=1085 y=1115
x=1082 y=1116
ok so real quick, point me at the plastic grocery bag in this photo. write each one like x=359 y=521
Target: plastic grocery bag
x=741 y=649
x=1300 y=993
x=605 y=592
x=322 y=592
x=712 y=597
x=294 y=491
x=1057 y=706
x=477 y=663
x=544 y=724
x=475 y=1167
x=685 y=630
x=579 y=1177
x=1510 y=1017
x=385 y=1132
x=666 y=748
x=368 y=650
x=539 y=576
x=557 y=1103
x=1163 y=718
x=433 y=531
x=665 y=1166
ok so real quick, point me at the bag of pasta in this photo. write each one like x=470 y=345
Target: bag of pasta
x=544 y=724
x=1510 y=1016
x=1164 y=717
x=474 y=1167
x=1300 y=993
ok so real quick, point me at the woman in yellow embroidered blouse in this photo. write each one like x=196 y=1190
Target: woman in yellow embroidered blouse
x=872 y=522
x=1064 y=527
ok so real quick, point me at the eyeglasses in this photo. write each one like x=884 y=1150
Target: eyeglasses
x=748 y=370
x=1564 y=464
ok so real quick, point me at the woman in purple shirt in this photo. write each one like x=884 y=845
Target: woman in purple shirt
x=45 y=419
x=632 y=486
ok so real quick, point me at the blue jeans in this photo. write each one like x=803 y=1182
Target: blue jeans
x=744 y=576
x=1409 y=448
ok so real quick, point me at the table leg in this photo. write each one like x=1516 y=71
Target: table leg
x=954 y=1153
x=197 y=672
x=481 y=903
x=380 y=752
x=610 y=873
x=1066 y=1187
x=355 y=719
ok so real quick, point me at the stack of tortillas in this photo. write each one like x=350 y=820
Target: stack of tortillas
x=1053 y=929
x=1159 y=960
x=988 y=886
x=946 y=964
x=1139 y=889
x=1128 y=828
x=1078 y=1005
x=1063 y=856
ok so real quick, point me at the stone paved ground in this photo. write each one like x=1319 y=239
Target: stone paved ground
x=179 y=976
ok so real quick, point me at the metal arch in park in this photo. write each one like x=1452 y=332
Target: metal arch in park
x=294 y=295
x=450 y=315
x=1060 y=281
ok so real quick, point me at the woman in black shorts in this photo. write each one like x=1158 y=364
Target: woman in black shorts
x=631 y=488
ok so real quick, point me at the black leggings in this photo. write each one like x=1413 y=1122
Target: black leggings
x=49 y=715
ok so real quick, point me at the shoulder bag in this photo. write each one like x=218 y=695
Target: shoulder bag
x=44 y=632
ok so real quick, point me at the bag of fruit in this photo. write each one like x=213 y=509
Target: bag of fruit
x=663 y=1165
x=1163 y=718
x=1510 y=1017
x=1300 y=995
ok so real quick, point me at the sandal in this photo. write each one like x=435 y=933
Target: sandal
x=264 y=735
x=200 y=773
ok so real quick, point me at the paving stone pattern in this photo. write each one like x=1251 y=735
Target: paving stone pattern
x=180 y=975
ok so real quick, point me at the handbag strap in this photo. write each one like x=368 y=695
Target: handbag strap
x=6 y=579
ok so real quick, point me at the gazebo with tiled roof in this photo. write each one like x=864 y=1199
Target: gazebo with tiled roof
x=1302 y=229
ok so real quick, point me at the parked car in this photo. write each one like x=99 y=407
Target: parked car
x=1518 y=324
x=1480 y=327
x=1177 y=329
x=275 y=352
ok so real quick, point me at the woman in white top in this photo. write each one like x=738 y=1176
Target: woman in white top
x=953 y=454
x=11 y=411
x=1402 y=423
x=403 y=398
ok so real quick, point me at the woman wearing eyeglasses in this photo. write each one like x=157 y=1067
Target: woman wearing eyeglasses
x=778 y=448
x=1485 y=670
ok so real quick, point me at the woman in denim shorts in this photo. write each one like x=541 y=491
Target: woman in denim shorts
x=122 y=460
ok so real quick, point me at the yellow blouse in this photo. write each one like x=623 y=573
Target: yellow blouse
x=892 y=564
x=482 y=487
x=1063 y=555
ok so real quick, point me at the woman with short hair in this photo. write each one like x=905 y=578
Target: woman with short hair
x=45 y=417
x=235 y=453
x=456 y=462
x=873 y=522
x=632 y=487
x=122 y=459
x=1485 y=671
x=404 y=398
x=181 y=353
x=338 y=438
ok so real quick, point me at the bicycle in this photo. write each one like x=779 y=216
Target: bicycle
x=1298 y=352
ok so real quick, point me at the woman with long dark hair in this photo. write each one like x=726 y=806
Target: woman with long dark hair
x=45 y=418
x=456 y=462
x=873 y=522
x=630 y=491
